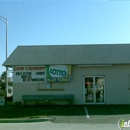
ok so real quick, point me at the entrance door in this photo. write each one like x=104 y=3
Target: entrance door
x=94 y=89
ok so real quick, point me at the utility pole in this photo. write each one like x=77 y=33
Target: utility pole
x=5 y=20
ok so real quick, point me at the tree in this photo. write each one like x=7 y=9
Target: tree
x=3 y=75
x=3 y=80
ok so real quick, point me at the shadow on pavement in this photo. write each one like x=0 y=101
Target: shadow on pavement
x=66 y=114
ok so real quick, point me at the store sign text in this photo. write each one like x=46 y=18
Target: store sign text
x=28 y=68
x=29 y=74
x=66 y=79
x=58 y=73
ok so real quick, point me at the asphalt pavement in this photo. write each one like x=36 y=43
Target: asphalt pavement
x=80 y=118
x=95 y=115
x=57 y=126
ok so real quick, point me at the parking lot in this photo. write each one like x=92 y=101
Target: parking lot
x=101 y=117
x=102 y=114
x=84 y=114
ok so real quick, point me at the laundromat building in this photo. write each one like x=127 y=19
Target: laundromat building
x=94 y=74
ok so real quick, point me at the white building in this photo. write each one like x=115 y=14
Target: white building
x=95 y=74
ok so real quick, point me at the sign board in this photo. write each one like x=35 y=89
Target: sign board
x=29 y=74
x=58 y=73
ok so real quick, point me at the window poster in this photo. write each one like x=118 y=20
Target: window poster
x=29 y=74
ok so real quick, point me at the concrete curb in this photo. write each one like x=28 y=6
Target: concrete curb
x=23 y=120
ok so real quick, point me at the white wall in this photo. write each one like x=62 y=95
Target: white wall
x=116 y=82
x=116 y=85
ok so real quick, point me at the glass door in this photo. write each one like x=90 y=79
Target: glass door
x=99 y=89
x=89 y=90
x=94 y=89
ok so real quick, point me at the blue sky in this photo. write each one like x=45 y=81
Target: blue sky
x=48 y=22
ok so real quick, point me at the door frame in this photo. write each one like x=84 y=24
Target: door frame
x=94 y=102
